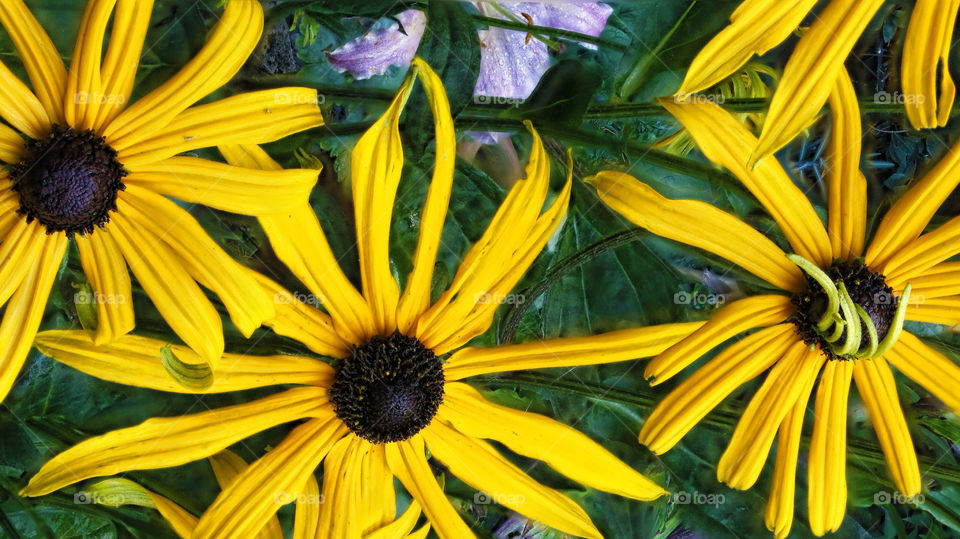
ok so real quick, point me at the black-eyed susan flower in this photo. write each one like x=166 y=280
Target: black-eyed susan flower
x=226 y=466
x=839 y=312
x=82 y=164
x=395 y=389
x=817 y=60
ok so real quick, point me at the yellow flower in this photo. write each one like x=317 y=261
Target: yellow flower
x=393 y=391
x=97 y=171
x=226 y=466
x=839 y=312
x=759 y=25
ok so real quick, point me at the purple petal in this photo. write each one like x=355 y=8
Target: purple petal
x=511 y=64
x=375 y=51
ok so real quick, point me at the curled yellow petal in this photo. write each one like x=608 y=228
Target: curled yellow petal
x=416 y=294
x=812 y=71
x=847 y=219
x=755 y=27
x=725 y=140
x=175 y=440
x=567 y=352
x=565 y=449
x=686 y=220
x=926 y=53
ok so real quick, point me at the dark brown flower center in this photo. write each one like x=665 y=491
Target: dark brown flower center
x=388 y=389
x=68 y=181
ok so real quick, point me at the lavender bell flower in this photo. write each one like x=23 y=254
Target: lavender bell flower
x=375 y=51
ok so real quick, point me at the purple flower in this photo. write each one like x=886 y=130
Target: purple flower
x=375 y=51
x=511 y=61
x=510 y=64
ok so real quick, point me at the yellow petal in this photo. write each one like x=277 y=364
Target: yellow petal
x=231 y=42
x=725 y=140
x=402 y=526
x=375 y=166
x=927 y=367
x=847 y=219
x=693 y=399
x=780 y=506
x=247 y=303
x=416 y=294
x=12 y=148
x=21 y=247
x=20 y=108
x=492 y=257
x=306 y=517
x=172 y=441
x=567 y=352
x=743 y=460
x=234 y=189
x=923 y=253
x=943 y=310
x=244 y=507
x=926 y=52
x=107 y=272
x=910 y=214
x=118 y=491
x=248 y=156
x=248 y=118
x=298 y=240
x=447 y=334
x=170 y=287
x=408 y=463
x=827 y=468
x=81 y=102
x=940 y=280
x=812 y=71
x=479 y=465
x=733 y=319
x=879 y=392
x=40 y=58
x=130 y=23
x=565 y=449
x=296 y=317
x=755 y=27
x=357 y=490
x=686 y=220
x=136 y=361
x=227 y=466
x=24 y=311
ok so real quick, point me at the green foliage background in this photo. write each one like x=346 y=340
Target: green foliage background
x=598 y=275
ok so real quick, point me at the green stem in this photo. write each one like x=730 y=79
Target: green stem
x=865 y=454
x=638 y=74
x=558 y=270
